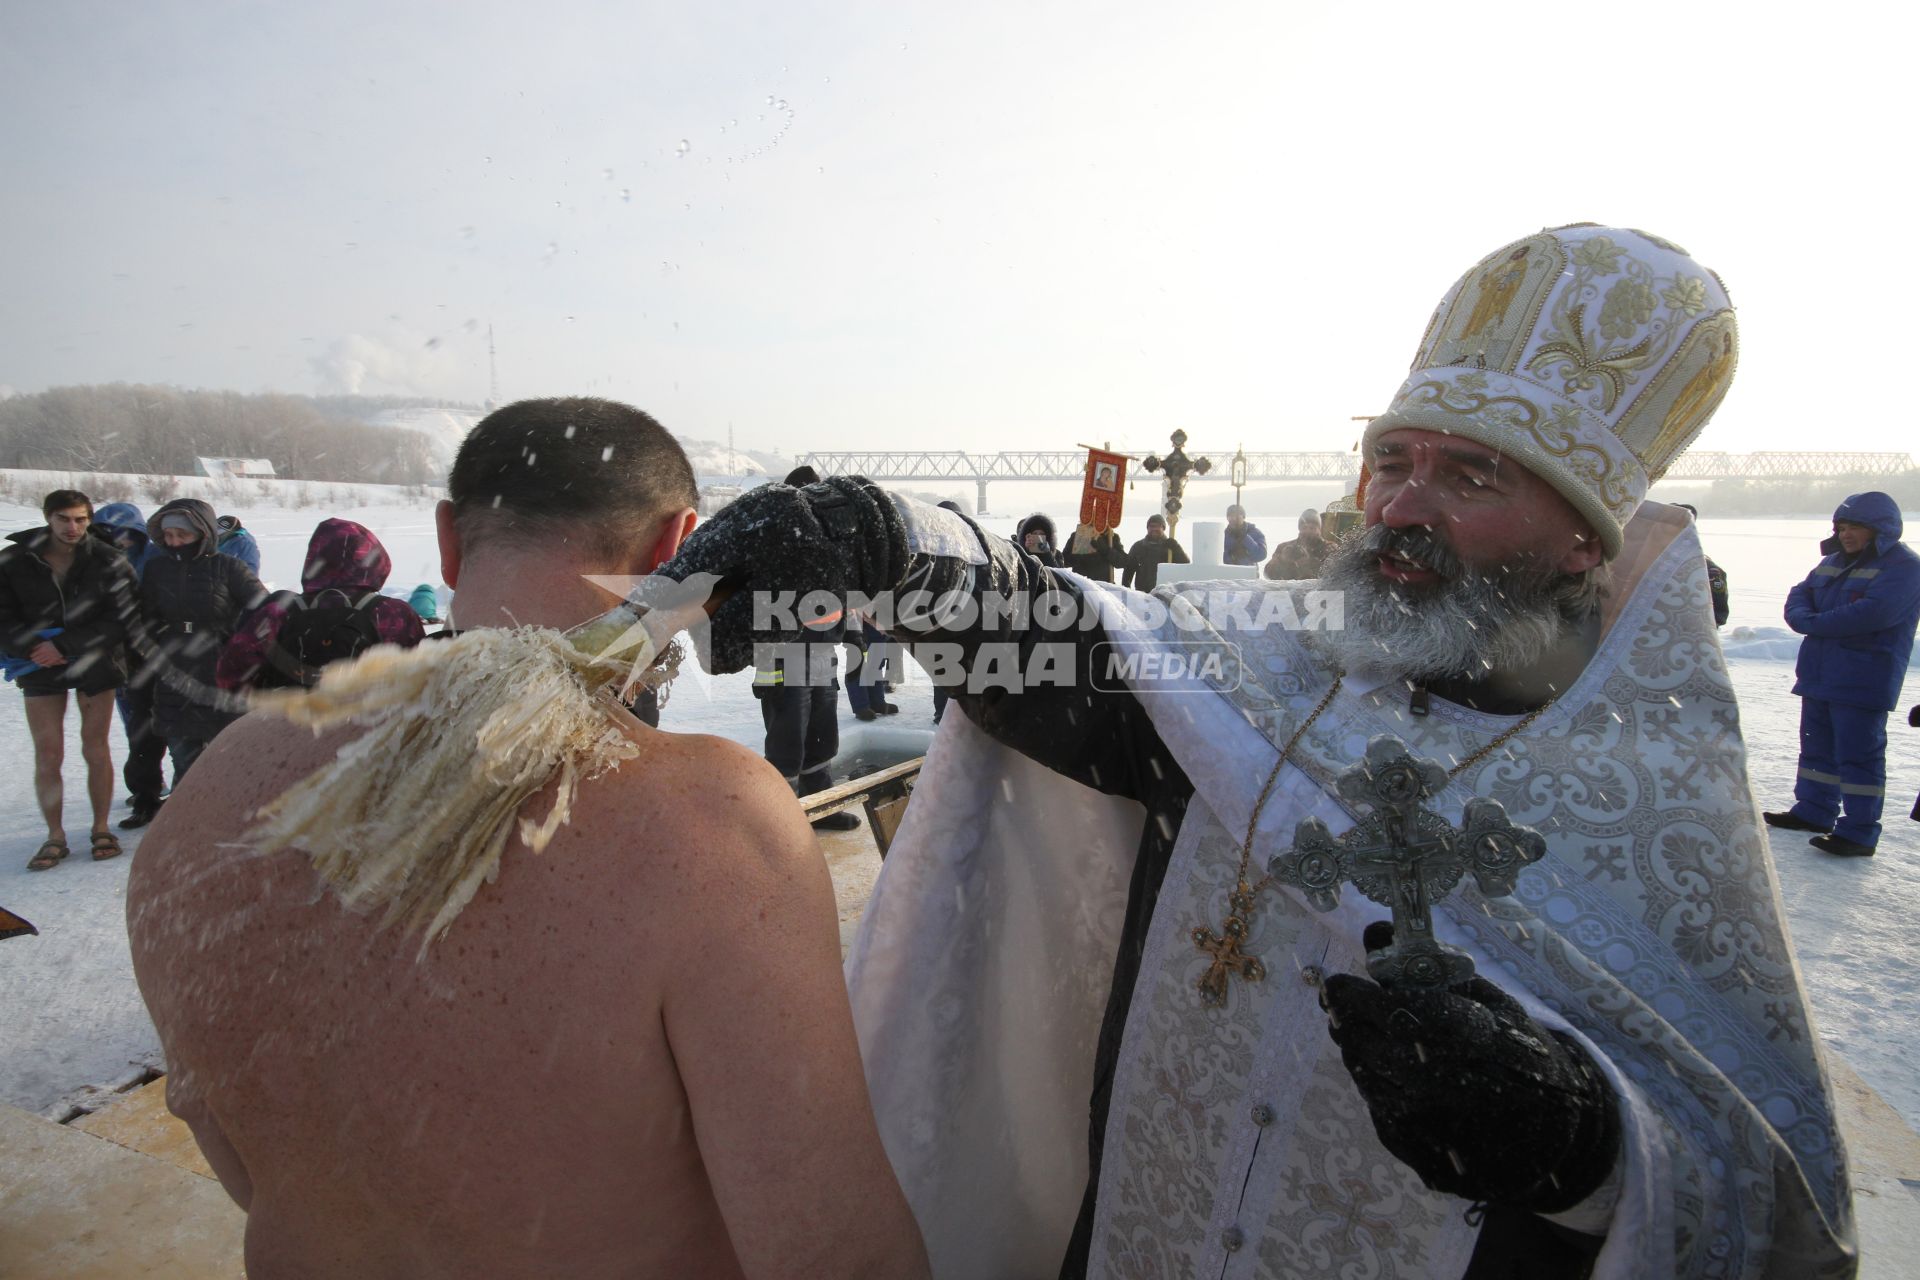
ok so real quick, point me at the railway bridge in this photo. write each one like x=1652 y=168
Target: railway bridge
x=1068 y=464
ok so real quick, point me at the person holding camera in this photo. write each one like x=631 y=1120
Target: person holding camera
x=1036 y=537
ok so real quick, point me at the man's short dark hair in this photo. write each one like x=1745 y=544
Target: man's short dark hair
x=1156 y=519
x=592 y=473
x=66 y=500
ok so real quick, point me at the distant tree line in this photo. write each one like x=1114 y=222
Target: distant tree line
x=1805 y=495
x=160 y=430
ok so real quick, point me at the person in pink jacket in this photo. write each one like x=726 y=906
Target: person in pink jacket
x=338 y=613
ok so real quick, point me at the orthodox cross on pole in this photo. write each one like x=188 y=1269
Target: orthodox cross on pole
x=1407 y=858
x=1177 y=466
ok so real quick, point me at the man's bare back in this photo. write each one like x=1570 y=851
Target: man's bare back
x=631 y=1056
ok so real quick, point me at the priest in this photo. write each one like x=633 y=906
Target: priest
x=1112 y=1024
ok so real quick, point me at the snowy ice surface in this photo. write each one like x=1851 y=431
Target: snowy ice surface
x=70 y=1014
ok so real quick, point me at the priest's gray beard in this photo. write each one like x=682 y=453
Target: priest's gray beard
x=1470 y=623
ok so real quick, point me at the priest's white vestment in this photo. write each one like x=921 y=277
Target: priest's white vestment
x=1236 y=1143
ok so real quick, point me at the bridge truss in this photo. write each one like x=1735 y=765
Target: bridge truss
x=983 y=468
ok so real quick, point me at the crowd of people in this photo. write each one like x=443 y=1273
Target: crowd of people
x=165 y=619
x=1100 y=1018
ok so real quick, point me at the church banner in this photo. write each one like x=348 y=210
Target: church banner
x=1103 y=490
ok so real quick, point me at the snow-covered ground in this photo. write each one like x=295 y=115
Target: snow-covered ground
x=70 y=1016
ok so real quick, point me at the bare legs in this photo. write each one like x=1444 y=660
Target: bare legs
x=96 y=721
x=46 y=721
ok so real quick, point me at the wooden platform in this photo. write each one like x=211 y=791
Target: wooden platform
x=127 y=1198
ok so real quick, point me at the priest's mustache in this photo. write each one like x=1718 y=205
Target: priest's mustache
x=1418 y=543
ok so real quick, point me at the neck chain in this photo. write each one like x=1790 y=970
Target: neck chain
x=1224 y=946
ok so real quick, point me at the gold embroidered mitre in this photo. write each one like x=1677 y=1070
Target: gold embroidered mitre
x=1592 y=355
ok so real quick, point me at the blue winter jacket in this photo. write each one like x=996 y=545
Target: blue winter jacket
x=1858 y=613
x=128 y=528
x=239 y=544
x=1246 y=546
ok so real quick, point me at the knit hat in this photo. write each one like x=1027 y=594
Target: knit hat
x=1591 y=355
x=175 y=520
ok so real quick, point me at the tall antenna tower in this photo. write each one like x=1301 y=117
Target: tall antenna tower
x=493 y=371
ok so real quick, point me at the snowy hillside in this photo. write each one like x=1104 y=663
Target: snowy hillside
x=444 y=427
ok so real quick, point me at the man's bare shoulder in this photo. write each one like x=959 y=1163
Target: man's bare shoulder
x=695 y=788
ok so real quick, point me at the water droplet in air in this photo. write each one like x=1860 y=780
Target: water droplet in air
x=432 y=343
x=626 y=194
x=606 y=454
x=467 y=233
x=681 y=147
x=769 y=99
x=606 y=175
x=569 y=433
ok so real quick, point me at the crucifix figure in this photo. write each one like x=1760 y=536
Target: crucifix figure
x=1406 y=858
x=1223 y=949
x=1177 y=466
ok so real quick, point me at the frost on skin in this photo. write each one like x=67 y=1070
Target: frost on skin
x=414 y=814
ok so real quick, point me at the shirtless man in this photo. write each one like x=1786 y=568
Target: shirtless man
x=630 y=1056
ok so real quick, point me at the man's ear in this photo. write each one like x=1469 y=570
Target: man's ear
x=449 y=533
x=672 y=532
x=1585 y=553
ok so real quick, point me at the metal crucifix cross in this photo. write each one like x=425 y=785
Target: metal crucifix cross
x=1407 y=858
x=1223 y=949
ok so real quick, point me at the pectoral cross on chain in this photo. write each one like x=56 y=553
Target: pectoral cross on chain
x=1223 y=948
x=1407 y=858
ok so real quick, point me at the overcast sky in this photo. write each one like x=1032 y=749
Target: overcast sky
x=955 y=226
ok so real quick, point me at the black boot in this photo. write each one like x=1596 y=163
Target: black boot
x=1793 y=822
x=815 y=781
x=143 y=813
x=1841 y=846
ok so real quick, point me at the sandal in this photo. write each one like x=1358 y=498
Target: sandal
x=49 y=855
x=105 y=845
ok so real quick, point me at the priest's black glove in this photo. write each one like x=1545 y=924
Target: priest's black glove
x=1472 y=1094
x=837 y=536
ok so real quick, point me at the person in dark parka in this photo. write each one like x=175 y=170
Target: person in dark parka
x=192 y=599
x=1036 y=537
x=799 y=697
x=1857 y=610
x=1094 y=555
x=144 y=770
x=1146 y=556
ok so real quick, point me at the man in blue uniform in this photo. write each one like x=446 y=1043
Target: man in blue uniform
x=1857 y=610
